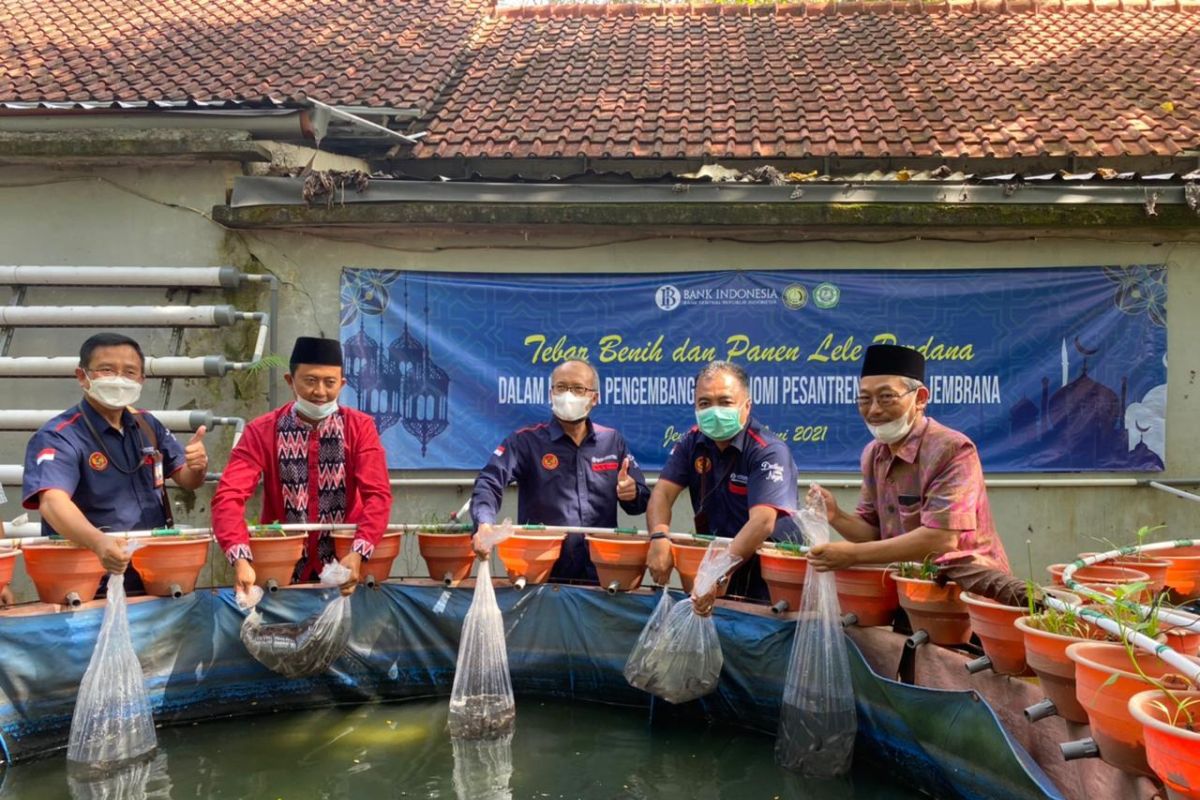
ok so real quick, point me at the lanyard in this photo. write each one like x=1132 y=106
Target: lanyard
x=100 y=441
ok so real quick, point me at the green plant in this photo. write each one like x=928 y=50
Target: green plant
x=1061 y=623
x=1181 y=715
x=272 y=361
x=925 y=571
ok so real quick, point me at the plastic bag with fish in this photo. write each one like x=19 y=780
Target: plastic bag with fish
x=112 y=723
x=299 y=649
x=684 y=660
x=636 y=672
x=481 y=702
x=818 y=722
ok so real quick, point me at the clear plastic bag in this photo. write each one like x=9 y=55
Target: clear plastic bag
x=683 y=661
x=299 y=649
x=112 y=724
x=481 y=702
x=818 y=722
x=636 y=672
x=483 y=768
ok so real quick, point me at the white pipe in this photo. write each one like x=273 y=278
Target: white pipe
x=284 y=124
x=11 y=474
x=1168 y=615
x=156 y=367
x=172 y=277
x=117 y=316
x=1177 y=492
x=855 y=483
x=31 y=420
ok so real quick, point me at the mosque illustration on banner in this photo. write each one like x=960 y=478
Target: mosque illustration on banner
x=402 y=384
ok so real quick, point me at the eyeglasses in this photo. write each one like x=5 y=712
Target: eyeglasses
x=109 y=372
x=574 y=388
x=883 y=399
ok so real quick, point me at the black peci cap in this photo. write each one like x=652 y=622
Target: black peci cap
x=311 y=350
x=892 y=359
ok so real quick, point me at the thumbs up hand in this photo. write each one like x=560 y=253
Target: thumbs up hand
x=626 y=486
x=194 y=453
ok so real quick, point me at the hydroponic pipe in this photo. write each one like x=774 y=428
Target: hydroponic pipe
x=172 y=277
x=118 y=316
x=1169 y=615
x=156 y=367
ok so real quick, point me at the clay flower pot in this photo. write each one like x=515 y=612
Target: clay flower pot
x=1172 y=751
x=63 y=572
x=1099 y=573
x=1046 y=655
x=529 y=558
x=1183 y=576
x=784 y=574
x=1118 y=735
x=8 y=560
x=379 y=566
x=687 y=558
x=1155 y=568
x=275 y=558
x=170 y=565
x=1002 y=641
x=869 y=593
x=449 y=556
x=936 y=609
x=620 y=560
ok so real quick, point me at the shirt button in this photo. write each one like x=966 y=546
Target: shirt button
x=891 y=509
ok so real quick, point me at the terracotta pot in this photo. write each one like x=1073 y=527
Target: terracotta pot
x=1046 y=655
x=936 y=609
x=1118 y=735
x=620 y=560
x=59 y=569
x=687 y=563
x=529 y=556
x=869 y=593
x=1183 y=576
x=1155 y=568
x=8 y=560
x=275 y=557
x=1183 y=640
x=449 y=556
x=1098 y=573
x=379 y=565
x=1001 y=640
x=170 y=565
x=784 y=574
x=1172 y=751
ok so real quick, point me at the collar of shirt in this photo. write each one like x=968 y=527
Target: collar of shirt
x=556 y=430
x=912 y=443
x=101 y=424
x=303 y=423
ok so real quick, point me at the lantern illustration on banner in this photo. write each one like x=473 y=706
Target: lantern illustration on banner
x=405 y=354
x=426 y=394
x=366 y=294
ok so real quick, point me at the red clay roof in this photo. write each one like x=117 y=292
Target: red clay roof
x=628 y=81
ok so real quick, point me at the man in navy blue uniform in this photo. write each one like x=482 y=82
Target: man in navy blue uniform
x=569 y=471
x=100 y=465
x=740 y=476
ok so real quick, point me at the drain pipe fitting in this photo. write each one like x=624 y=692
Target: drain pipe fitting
x=780 y=607
x=519 y=583
x=73 y=599
x=448 y=580
x=849 y=618
x=613 y=587
x=1040 y=711
x=916 y=640
x=272 y=585
x=371 y=583
x=176 y=590
x=1080 y=748
x=977 y=665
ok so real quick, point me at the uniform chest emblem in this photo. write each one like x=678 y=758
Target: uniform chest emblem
x=702 y=464
x=549 y=461
x=98 y=461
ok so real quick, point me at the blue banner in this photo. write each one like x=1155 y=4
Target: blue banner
x=1048 y=369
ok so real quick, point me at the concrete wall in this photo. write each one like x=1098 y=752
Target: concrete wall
x=160 y=216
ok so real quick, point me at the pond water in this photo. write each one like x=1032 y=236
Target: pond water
x=560 y=751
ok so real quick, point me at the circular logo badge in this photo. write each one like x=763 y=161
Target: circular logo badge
x=795 y=296
x=98 y=461
x=702 y=464
x=549 y=461
x=826 y=295
x=667 y=297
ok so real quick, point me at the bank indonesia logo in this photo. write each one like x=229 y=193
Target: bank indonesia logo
x=795 y=296
x=667 y=297
x=826 y=295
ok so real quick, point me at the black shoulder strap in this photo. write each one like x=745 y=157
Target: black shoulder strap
x=148 y=431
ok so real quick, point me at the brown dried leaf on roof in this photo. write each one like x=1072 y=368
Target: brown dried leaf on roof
x=325 y=182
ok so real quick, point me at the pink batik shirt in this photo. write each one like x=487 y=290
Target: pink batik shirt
x=933 y=480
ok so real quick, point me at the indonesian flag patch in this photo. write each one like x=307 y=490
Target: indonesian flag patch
x=46 y=455
x=499 y=451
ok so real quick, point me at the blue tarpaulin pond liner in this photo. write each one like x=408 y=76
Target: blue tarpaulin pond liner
x=564 y=642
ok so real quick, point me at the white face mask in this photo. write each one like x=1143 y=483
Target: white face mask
x=313 y=410
x=569 y=407
x=894 y=431
x=113 y=392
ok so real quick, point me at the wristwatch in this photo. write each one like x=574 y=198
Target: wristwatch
x=658 y=535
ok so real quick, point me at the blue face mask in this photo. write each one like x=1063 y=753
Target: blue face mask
x=720 y=422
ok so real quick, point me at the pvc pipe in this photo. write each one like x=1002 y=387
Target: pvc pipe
x=117 y=316
x=14 y=474
x=977 y=665
x=1041 y=710
x=176 y=590
x=32 y=419
x=849 y=618
x=285 y=124
x=1162 y=487
x=73 y=600
x=172 y=277
x=855 y=483
x=1169 y=615
x=1080 y=748
x=161 y=367
x=519 y=583
x=613 y=587
x=780 y=607
x=272 y=585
